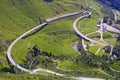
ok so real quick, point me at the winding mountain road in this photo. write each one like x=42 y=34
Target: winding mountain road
x=82 y=35
x=31 y=31
x=43 y=25
x=14 y=42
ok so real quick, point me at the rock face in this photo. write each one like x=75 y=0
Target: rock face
x=113 y=3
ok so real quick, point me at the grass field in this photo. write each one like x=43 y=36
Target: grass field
x=115 y=65
x=19 y=16
x=26 y=76
x=71 y=66
x=55 y=38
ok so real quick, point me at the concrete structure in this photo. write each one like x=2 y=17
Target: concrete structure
x=104 y=26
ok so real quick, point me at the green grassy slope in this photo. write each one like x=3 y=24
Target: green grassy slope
x=18 y=16
x=8 y=76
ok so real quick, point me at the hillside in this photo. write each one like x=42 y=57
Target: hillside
x=68 y=48
x=21 y=15
x=18 y=16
